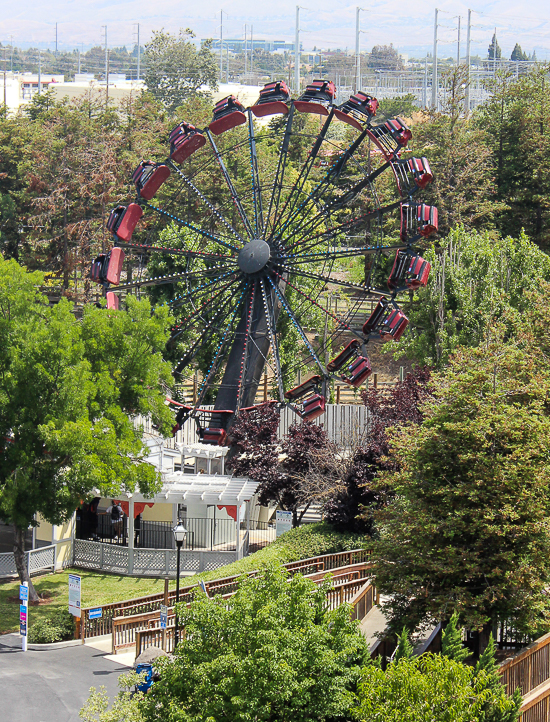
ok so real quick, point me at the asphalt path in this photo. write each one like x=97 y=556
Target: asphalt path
x=51 y=685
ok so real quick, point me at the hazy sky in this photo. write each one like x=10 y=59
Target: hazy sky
x=409 y=26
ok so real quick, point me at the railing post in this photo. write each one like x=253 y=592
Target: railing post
x=101 y=555
x=167 y=562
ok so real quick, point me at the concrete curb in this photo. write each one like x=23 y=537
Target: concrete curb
x=58 y=645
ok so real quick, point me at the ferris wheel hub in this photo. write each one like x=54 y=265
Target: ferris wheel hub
x=254 y=256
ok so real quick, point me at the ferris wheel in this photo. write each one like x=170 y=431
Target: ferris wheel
x=251 y=220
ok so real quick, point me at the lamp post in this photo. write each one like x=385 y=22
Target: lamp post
x=179 y=535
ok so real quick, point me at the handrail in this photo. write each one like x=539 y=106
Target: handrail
x=103 y=625
x=529 y=668
x=125 y=628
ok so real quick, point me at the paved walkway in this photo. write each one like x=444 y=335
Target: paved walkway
x=51 y=685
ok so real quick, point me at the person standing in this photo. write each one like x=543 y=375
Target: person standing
x=117 y=516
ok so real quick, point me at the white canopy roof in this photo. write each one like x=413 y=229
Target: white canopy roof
x=178 y=487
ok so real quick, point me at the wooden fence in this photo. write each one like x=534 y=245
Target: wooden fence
x=530 y=671
x=361 y=602
x=227 y=585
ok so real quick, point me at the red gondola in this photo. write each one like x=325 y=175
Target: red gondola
x=317 y=98
x=377 y=316
x=216 y=437
x=112 y=301
x=185 y=140
x=399 y=130
x=228 y=113
x=304 y=388
x=148 y=178
x=421 y=170
x=123 y=220
x=394 y=326
x=273 y=100
x=410 y=271
x=358 y=372
x=427 y=219
x=358 y=110
x=343 y=357
x=107 y=267
x=313 y=407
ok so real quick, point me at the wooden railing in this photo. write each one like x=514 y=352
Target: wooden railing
x=361 y=602
x=345 y=585
x=227 y=585
x=530 y=671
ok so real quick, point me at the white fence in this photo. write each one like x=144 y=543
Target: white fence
x=147 y=562
x=37 y=560
x=342 y=422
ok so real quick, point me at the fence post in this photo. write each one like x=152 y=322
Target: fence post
x=101 y=555
x=167 y=561
x=29 y=563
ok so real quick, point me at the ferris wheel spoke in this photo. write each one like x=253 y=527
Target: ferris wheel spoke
x=228 y=333
x=297 y=325
x=204 y=255
x=293 y=197
x=181 y=222
x=338 y=320
x=280 y=174
x=205 y=304
x=346 y=226
x=271 y=329
x=334 y=254
x=207 y=203
x=231 y=187
x=203 y=288
x=332 y=173
x=155 y=281
x=256 y=187
x=335 y=281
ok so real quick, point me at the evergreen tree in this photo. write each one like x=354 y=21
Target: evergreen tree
x=494 y=52
x=517 y=53
x=451 y=641
x=404 y=648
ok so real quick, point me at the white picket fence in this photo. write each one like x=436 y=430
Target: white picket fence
x=37 y=560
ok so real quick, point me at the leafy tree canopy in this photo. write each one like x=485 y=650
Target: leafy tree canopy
x=433 y=687
x=468 y=526
x=67 y=390
x=271 y=652
x=475 y=280
x=176 y=70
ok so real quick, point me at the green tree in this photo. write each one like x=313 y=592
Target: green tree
x=494 y=52
x=402 y=105
x=451 y=641
x=475 y=280
x=271 y=652
x=404 y=649
x=385 y=57
x=176 y=70
x=517 y=53
x=67 y=388
x=468 y=528
x=429 y=688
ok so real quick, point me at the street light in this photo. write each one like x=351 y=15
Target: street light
x=179 y=535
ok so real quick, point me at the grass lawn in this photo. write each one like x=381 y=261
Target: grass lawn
x=97 y=589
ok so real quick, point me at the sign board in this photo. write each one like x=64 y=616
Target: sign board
x=202 y=585
x=74 y=595
x=95 y=613
x=23 y=620
x=163 y=616
x=23 y=592
x=283 y=522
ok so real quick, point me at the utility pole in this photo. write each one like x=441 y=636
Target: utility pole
x=78 y=51
x=221 y=46
x=434 y=64
x=5 y=90
x=106 y=58
x=245 y=47
x=107 y=83
x=251 y=48
x=11 y=54
x=297 y=53
x=467 y=93
x=425 y=89
x=357 y=52
x=458 y=45
x=56 y=40
x=39 y=72
x=138 y=53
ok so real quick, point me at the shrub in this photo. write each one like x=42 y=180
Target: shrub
x=58 y=627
